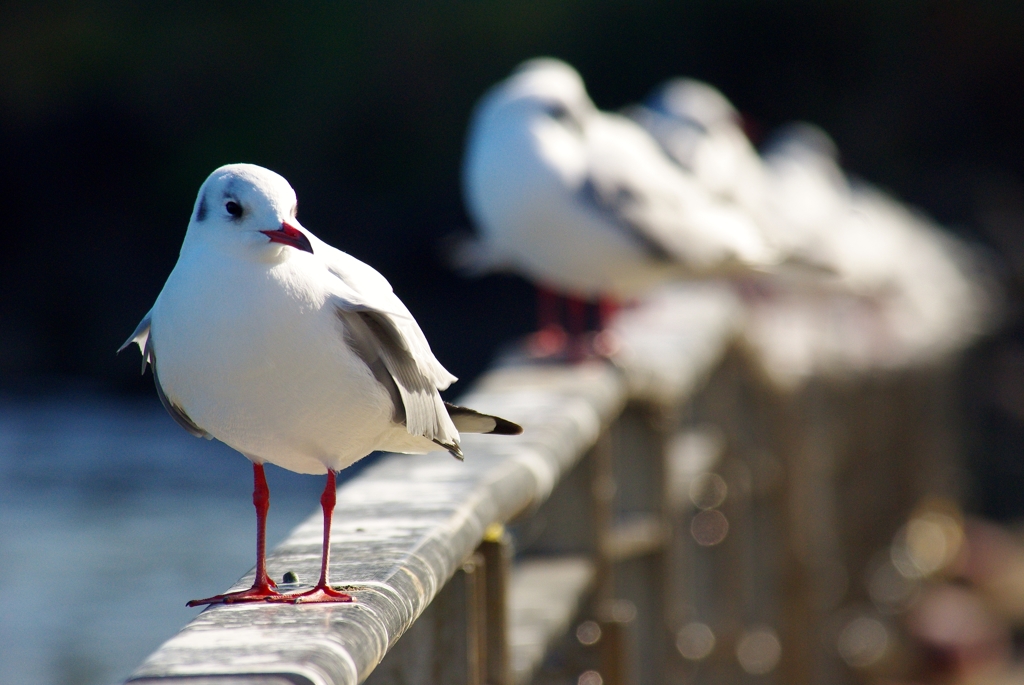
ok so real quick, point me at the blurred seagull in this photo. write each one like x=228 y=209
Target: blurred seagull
x=905 y=292
x=292 y=352
x=893 y=289
x=808 y=192
x=586 y=202
x=701 y=130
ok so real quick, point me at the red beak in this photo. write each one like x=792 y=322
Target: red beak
x=289 y=235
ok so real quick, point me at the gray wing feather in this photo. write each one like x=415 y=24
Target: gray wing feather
x=625 y=209
x=364 y=343
x=140 y=336
x=379 y=339
x=176 y=412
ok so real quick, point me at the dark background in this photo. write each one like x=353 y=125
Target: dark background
x=112 y=114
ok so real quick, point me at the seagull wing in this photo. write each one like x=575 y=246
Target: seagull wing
x=382 y=331
x=471 y=421
x=176 y=412
x=624 y=208
x=144 y=340
x=635 y=187
x=141 y=338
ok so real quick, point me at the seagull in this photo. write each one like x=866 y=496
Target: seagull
x=291 y=352
x=904 y=291
x=808 y=191
x=704 y=133
x=585 y=202
x=700 y=129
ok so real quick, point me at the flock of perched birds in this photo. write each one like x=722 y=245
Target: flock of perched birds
x=838 y=277
x=295 y=353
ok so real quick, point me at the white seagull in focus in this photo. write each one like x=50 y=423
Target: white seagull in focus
x=292 y=352
x=585 y=202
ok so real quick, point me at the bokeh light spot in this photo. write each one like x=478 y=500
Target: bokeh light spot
x=588 y=633
x=695 y=641
x=863 y=642
x=709 y=527
x=758 y=651
x=708 y=491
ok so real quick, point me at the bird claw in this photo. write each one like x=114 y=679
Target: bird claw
x=257 y=593
x=319 y=595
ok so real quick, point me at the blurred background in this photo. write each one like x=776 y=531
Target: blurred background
x=112 y=114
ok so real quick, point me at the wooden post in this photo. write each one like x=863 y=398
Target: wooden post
x=448 y=645
x=615 y=652
x=496 y=550
x=615 y=666
x=460 y=649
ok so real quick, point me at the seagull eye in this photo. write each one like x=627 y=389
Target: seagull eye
x=560 y=113
x=234 y=209
x=557 y=111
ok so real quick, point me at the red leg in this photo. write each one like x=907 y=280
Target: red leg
x=262 y=587
x=576 y=313
x=550 y=338
x=323 y=592
x=607 y=307
x=547 y=308
x=606 y=343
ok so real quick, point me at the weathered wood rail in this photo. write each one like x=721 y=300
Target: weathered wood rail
x=670 y=517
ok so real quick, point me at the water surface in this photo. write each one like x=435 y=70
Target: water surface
x=111 y=518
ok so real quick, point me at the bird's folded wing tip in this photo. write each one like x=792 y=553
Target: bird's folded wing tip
x=505 y=427
x=471 y=421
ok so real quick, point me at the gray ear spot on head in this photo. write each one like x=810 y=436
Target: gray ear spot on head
x=201 y=210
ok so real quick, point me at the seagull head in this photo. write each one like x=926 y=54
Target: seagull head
x=538 y=114
x=542 y=94
x=802 y=140
x=693 y=102
x=554 y=87
x=246 y=208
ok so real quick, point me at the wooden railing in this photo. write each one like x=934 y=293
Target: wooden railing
x=669 y=517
